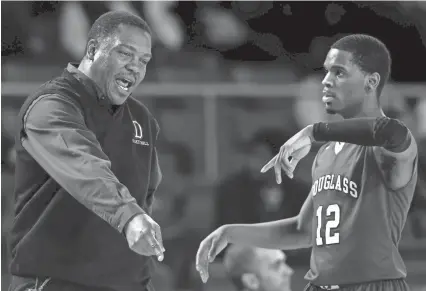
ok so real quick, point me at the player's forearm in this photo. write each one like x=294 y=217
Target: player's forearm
x=282 y=234
x=381 y=131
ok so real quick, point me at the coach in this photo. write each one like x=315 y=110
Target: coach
x=87 y=170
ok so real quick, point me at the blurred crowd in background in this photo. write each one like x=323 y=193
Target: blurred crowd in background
x=255 y=42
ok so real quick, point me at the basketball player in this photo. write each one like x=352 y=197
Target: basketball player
x=363 y=182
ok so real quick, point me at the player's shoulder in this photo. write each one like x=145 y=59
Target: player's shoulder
x=411 y=150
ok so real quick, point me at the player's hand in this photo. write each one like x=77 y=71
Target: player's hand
x=143 y=235
x=296 y=148
x=209 y=248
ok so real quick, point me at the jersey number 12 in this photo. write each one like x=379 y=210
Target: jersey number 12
x=331 y=224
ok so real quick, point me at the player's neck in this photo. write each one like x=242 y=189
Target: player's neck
x=370 y=108
x=370 y=112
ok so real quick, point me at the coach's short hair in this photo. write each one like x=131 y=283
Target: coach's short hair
x=369 y=54
x=237 y=261
x=107 y=24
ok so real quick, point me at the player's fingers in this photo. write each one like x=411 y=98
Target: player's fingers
x=285 y=154
x=269 y=165
x=283 y=158
x=277 y=169
x=286 y=161
x=213 y=250
x=201 y=260
x=156 y=247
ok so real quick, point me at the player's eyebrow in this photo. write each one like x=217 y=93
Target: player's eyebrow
x=335 y=67
x=132 y=48
x=278 y=261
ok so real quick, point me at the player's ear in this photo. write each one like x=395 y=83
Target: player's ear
x=91 y=49
x=372 y=81
x=250 y=281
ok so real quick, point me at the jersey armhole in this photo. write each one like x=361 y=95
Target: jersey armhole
x=402 y=155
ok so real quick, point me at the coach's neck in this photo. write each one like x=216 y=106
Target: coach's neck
x=85 y=67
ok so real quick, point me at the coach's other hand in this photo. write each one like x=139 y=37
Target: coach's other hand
x=296 y=148
x=209 y=248
x=143 y=235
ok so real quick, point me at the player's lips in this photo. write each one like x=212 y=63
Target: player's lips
x=328 y=96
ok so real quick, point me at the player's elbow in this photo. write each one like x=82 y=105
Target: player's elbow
x=392 y=134
x=293 y=234
x=305 y=239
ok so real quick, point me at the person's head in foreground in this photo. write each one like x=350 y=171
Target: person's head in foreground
x=357 y=68
x=117 y=53
x=257 y=269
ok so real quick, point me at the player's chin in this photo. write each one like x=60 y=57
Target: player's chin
x=285 y=286
x=330 y=109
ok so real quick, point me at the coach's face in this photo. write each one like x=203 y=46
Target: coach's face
x=344 y=84
x=119 y=64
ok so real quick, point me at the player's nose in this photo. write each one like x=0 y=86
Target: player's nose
x=327 y=82
x=287 y=270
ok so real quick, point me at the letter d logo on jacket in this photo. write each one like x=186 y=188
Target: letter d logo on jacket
x=138 y=129
x=138 y=134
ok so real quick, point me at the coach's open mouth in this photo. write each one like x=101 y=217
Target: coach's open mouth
x=124 y=83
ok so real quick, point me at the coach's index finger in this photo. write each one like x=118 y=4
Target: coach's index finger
x=158 y=236
x=158 y=250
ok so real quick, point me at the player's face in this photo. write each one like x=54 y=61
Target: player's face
x=121 y=63
x=344 y=84
x=273 y=272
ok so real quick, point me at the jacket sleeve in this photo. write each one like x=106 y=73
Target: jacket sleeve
x=155 y=179
x=56 y=136
x=156 y=175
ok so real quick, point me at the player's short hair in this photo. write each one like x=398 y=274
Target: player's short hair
x=107 y=24
x=369 y=54
x=237 y=261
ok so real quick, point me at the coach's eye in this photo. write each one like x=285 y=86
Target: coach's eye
x=125 y=53
x=339 y=73
x=144 y=61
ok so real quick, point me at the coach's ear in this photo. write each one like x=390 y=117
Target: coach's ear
x=92 y=46
x=250 y=281
x=372 y=81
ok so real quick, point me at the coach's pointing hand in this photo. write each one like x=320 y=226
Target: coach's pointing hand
x=209 y=248
x=296 y=148
x=143 y=235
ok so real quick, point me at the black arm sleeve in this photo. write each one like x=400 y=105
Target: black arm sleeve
x=385 y=132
